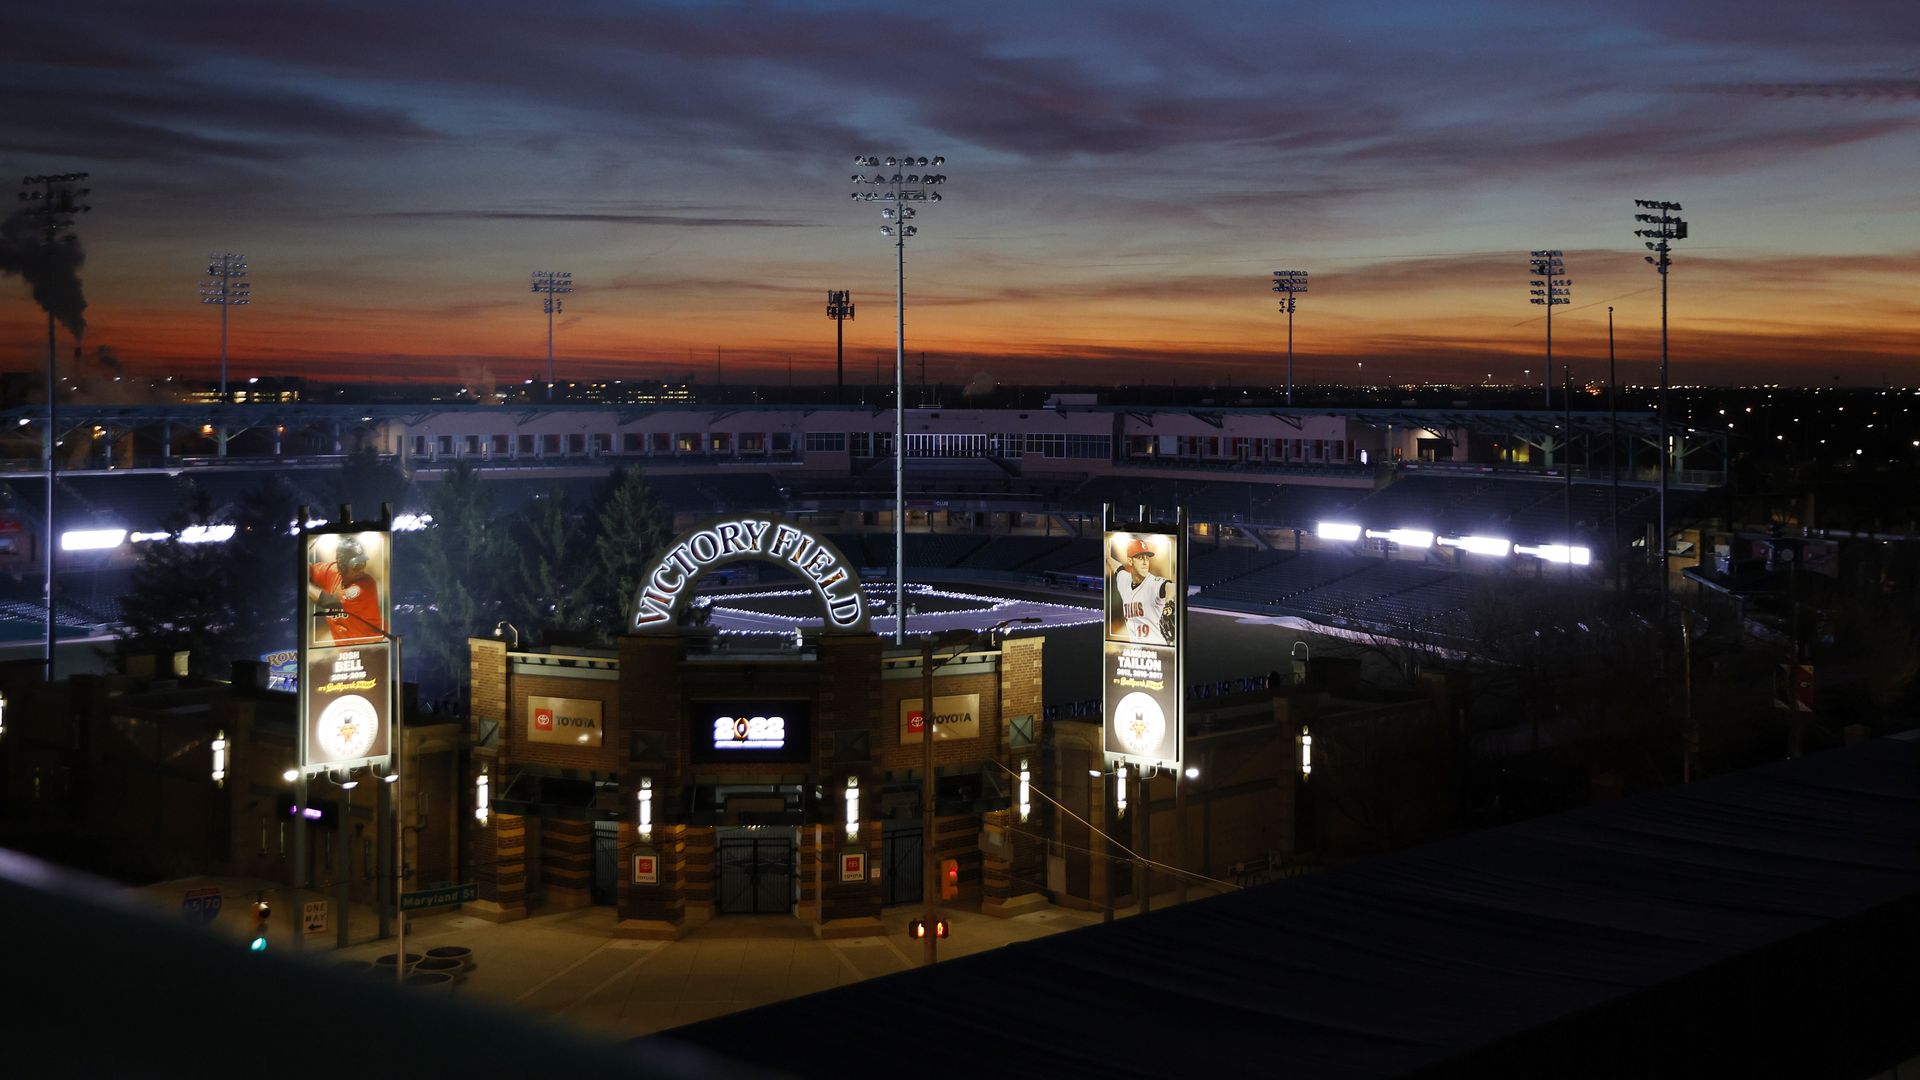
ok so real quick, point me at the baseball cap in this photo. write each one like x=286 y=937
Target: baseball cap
x=1139 y=547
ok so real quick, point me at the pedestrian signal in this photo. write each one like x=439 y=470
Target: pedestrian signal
x=261 y=911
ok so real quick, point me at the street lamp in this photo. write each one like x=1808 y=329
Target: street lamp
x=1659 y=229
x=1551 y=290
x=55 y=204
x=1289 y=283
x=897 y=188
x=930 y=881
x=551 y=285
x=225 y=286
x=839 y=309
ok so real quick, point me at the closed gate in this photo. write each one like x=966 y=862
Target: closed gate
x=900 y=870
x=756 y=875
x=606 y=862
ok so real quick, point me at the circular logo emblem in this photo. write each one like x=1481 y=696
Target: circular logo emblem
x=1139 y=723
x=347 y=728
x=352 y=593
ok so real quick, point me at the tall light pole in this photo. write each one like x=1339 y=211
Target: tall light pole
x=551 y=285
x=898 y=189
x=1552 y=290
x=1659 y=229
x=55 y=203
x=839 y=309
x=225 y=286
x=1289 y=283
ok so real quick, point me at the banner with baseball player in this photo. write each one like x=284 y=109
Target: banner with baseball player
x=346 y=677
x=1146 y=617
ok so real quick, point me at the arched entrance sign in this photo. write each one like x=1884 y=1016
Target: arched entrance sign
x=737 y=539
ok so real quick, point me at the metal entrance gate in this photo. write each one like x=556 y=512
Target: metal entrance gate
x=756 y=875
x=606 y=862
x=901 y=875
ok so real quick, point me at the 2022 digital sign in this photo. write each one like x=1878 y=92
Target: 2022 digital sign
x=750 y=731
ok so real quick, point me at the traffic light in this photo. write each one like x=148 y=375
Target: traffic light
x=917 y=929
x=261 y=910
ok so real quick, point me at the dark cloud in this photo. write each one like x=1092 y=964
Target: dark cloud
x=602 y=218
x=1871 y=90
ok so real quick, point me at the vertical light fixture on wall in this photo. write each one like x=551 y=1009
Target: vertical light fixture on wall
x=1026 y=791
x=220 y=760
x=1306 y=753
x=853 y=808
x=646 y=810
x=1120 y=791
x=481 y=797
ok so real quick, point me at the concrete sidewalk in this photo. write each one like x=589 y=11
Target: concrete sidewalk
x=570 y=969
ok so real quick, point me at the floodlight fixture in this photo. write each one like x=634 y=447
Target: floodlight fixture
x=92 y=539
x=551 y=285
x=226 y=286
x=1414 y=538
x=839 y=309
x=897 y=190
x=52 y=201
x=1658 y=230
x=1479 y=545
x=1289 y=283
x=1571 y=554
x=1336 y=530
x=1550 y=290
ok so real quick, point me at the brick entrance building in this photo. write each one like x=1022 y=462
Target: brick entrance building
x=683 y=777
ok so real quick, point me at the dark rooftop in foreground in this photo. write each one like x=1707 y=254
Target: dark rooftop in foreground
x=1759 y=923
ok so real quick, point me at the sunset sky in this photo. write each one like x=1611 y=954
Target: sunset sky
x=1124 y=177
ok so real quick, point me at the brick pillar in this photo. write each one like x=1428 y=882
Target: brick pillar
x=845 y=908
x=656 y=909
x=1013 y=869
x=566 y=862
x=700 y=874
x=500 y=869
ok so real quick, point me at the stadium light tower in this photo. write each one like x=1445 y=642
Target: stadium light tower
x=839 y=309
x=1289 y=283
x=551 y=284
x=1659 y=228
x=55 y=200
x=1551 y=290
x=226 y=286
x=898 y=187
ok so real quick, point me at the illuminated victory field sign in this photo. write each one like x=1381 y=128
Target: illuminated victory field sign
x=1146 y=624
x=345 y=676
x=671 y=578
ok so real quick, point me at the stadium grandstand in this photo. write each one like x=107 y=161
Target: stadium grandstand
x=1379 y=519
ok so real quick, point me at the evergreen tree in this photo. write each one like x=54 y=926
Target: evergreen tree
x=183 y=597
x=459 y=578
x=263 y=555
x=633 y=528
x=550 y=589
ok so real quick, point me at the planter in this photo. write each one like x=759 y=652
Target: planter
x=453 y=952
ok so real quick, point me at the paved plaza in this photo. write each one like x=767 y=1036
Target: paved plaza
x=568 y=968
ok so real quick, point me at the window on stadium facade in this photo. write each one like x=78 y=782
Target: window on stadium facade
x=826 y=442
